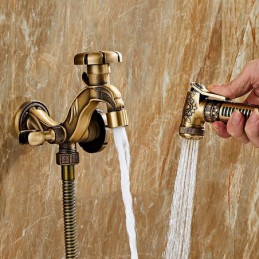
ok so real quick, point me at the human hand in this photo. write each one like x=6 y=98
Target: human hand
x=247 y=80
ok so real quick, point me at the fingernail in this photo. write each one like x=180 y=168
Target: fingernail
x=236 y=117
x=216 y=128
x=254 y=116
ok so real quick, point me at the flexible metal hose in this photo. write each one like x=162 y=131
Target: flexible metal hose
x=69 y=206
x=69 y=210
x=68 y=157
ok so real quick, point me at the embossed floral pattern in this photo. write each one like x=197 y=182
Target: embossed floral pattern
x=191 y=107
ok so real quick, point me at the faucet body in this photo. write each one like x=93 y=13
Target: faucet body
x=203 y=106
x=84 y=123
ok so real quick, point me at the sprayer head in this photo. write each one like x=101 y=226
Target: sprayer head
x=195 y=111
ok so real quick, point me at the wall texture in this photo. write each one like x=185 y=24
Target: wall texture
x=165 y=45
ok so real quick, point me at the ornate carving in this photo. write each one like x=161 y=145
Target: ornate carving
x=104 y=95
x=67 y=159
x=73 y=111
x=211 y=111
x=190 y=107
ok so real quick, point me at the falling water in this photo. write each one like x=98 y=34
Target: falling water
x=179 y=233
x=122 y=146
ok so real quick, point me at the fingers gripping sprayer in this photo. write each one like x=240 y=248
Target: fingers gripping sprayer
x=203 y=106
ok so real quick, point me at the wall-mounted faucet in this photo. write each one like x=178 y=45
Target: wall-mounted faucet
x=203 y=106
x=84 y=123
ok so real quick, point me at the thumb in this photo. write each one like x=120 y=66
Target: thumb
x=235 y=88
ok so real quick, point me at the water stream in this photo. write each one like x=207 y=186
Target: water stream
x=122 y=146
x=179 y=232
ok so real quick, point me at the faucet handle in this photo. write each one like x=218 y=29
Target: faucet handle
x=97 y=58
x=36 y=137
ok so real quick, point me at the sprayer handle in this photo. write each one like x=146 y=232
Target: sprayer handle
x=221 y=111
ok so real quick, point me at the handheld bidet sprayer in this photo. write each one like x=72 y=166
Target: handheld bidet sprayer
x=203 y=106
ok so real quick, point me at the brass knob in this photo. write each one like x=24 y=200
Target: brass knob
x=97 y=58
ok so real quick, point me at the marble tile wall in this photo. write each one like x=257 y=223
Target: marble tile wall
x=165 y=44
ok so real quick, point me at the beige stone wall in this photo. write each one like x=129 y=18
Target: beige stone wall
x=165 y=45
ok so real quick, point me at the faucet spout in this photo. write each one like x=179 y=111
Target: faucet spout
x=80 y=112
x=116 y=113
x=110 y=95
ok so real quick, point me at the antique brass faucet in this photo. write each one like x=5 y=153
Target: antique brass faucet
x=203 y=106
x=83 y=124
x=35 y=126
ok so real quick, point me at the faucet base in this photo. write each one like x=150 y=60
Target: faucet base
x=22 y=115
